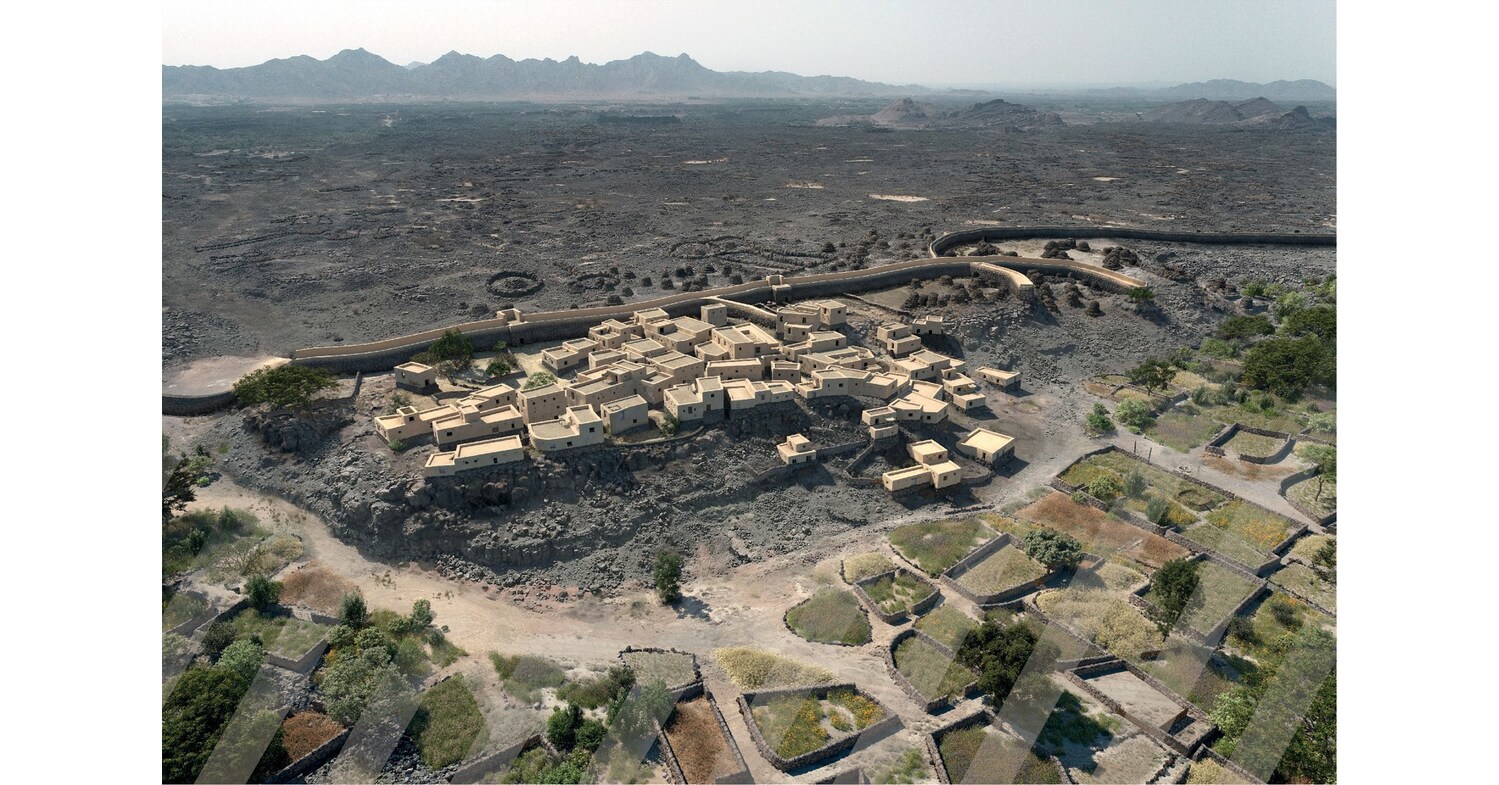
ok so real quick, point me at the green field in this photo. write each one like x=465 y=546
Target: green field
x=669 y=668
x=1103 y=618
x=1182 y=431
x=1255 y=525
x=446 y=724
x=1005 y=568
x=981 y=754
x=931 y=672
x=1118 y=465
x=948 y=625
x=754 y=669
x=1304 y=581
x=935 y=546
x=1315 y=494
x=281 y=634
x=1219 y=592
x=830 y=616
x=899 y=592
x=797 y=724
x=1253 y=444
x=1274 y=625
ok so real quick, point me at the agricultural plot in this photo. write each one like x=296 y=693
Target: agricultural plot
x=305 y=731
x=1242 y=531
x=830 y=616
x=753 y=669
x=446 y=723
x=1316 y=494
x=1269 y=632
x=983 y=754
x=1194 y=673
x=1115 y=576
x=930 y=671
x=947 y=625
x=1304 y=580
x=281 y=634
x=525 y=676
x=866 y=565
x=1253 y=445
x=798 y=724
x=1306 y=548
x=668 y=667
x=1096 y=745
x=702 y=750
x=180 y=608
x=1176 y=515
x=1116 y=466
x=1209 y=772
x=934 y=546
x=1005 y=568
x=898 y=592
x=1182 y=431
x=1219 y=592
x=1111 y=623
x=1099 y=533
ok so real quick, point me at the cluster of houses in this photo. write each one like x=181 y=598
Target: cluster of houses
x=690 y=369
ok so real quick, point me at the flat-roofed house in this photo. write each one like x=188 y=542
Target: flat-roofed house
x=676 y=366
x=1005 y=380
x=855 y=357
x=991 y=447
x=746 y=342
x=710 y=352
x=546 y=402
x=415 y=376
x=735 y=369
x=897 y=339
x=408 y=423
x=601 y=385
x=796 y=449
x=612 y=334
x=569 y=355
x=921 y=408
x=492 y=397
x=473 y=423
x=794 y=322
x=744 y=394
x=881 y=422
x=695 y=400
x=625 y=415
x=475 y=455
x=600 y=358
x=897 y=480
x=784 y=371
x=642 y=349
x=945 y=474
x=818 y=341
x=645 y=317
x=679 y=334
x=716 y=314
x=962 y=391
x=830 y=313
x=927 y=452
x=579 y=426
x=931 y=324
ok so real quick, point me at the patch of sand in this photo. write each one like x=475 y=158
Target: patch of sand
x=898 y=198
x=215 y=374
x=813 y=184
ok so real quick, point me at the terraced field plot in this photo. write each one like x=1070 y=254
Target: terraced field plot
x=1242 y=531
x=1304 y=581
x=1253 y=445
x=1316 y=494
x=935 y=546
x=1005 y=568
x=1219 y=592
x=1118 y=465
x=1181 y=431
x=898 y=592
x=797 y=724
x=983 y=754
x=1100 y=534
x=930 y=671
x=699 y=743
x=670 y=668
x=947 y=625
x=1103 y=618
x=830 y=616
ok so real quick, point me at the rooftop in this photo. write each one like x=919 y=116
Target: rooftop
x=486 y=447
x=987 y=440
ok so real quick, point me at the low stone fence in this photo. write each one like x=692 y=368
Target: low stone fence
x=963 y=565
x=928 y=705
x=308 y=763
x=484 y=765
x=1212 y=755
x=194 y=405
x=1227 y=434
x=899 y=617
x=1080 y=675
x=1291 y=480
x=741 y=774
x=697 y=673
x=303 y=664
x=984 y=716
x=202 y=617
x=889 y=724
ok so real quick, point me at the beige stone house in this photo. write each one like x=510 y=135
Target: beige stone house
x=962 y=391
x=471 y=423
x=897 y=339
x=569 y=355
x=688 y=402
x=415 y=376
x=881 y=422
x=596 y=387
x=735 y=369
x=474 y=455
x=931 y=324
x=744 y=394
x=625 y=415
x=546 y=402
x=1005 y=380
x=796 y=449
x=991 y=447
x=746 y=342
x=579 y=426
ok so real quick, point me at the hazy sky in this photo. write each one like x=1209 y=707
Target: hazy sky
x=933 y=42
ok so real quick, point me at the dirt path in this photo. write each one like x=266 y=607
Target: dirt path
x=742 y=606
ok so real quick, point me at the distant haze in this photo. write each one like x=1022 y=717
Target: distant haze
x=1014 y=43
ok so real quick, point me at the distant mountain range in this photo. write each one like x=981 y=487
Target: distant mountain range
x=906 y=113
x=1298 y=91
x=358 y=75
x=1258 y=112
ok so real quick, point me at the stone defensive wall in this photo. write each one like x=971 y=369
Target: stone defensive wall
x=947 y=241
x=573 y=322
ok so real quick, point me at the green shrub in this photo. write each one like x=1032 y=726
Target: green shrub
x=539 y=379
x=666 y=576
x=1098 y=420
x=453 y=346
x=282 y=386
x=1133 y=414
x=1053 y=548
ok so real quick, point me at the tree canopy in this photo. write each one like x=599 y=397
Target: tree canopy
x=282 y=386
x=453 y=346
x=667 y=576
x=1286 y=366
x=1172 y=587
x=1153 y=374
x=1053 y=548
x=193 y=719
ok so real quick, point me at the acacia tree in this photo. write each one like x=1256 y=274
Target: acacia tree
x=1053 y=548
x=667 y=576
x=1153 y=374
x=282 y=386
x=1173 y=586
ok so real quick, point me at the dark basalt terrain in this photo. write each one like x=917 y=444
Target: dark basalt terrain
x=289 y=227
